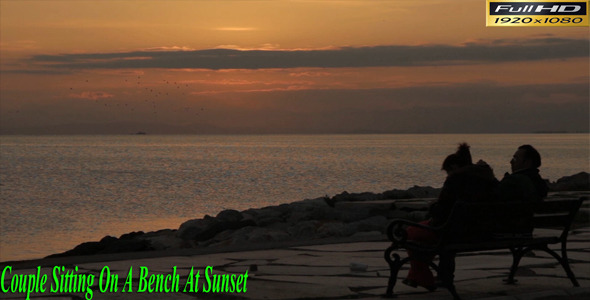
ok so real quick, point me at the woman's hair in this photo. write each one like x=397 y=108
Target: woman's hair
x=460 y=158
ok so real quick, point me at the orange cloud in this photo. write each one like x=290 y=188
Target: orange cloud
x=172 y=48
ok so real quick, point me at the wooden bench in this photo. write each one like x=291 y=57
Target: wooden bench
x=486 y=218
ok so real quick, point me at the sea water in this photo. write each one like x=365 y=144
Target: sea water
x=59 y=191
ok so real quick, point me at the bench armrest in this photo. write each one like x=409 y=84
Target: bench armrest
x=396 y=231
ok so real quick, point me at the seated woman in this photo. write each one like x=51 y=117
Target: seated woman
x=465 y=182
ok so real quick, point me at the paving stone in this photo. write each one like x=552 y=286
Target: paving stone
x=113 y=266
x=483 y=262
x=162 y=265
x=351 y=247
x=403 y=292
x=576 y=291
x=49 y=298
x=142 y=296
x=261 y=289
x=532 y=283
x=153 y=266
x=500 y=298
x=402 y=289
x=316 y=259
x=578 y=245
x=550 y=294
x=296 y=270
x=580 y=270
x=472 y=274
x=324 y=271
x=579 y=255
x=378 y=262
x=580 y=231
x=261 y=254
x=249 y=262
x=329 y=281
x=487 y=287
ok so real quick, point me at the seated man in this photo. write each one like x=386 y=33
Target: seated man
x=523 y=185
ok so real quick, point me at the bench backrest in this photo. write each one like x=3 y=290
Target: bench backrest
x=556 y=213
x=473 y=220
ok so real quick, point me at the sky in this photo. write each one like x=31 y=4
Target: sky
x=285 y=66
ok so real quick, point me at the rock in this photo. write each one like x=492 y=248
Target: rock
x=229 y=237
x=368 y=234
x=283 y=208
x=189 y=230
x=355 y=214
x=336 y=229
x=314 y=209
x=267 y=235
x=577 y=182
x=358 y=267
x=87 y=248
x=160 y=232
x=131 y=235
x=413 y=192
x=304 y=229
x=219 y=227
x=345 y=196
x=344 y=215
x=106 y=240
x=207 y=228
x=268 y=216
x=247 y=235
x=131 y=245
x=229 y=215
x=397 y=194
x=164 y=239
x=376 y=223
x=423 y=192
x=108 y=244
x=248 y=217
x=316 y=202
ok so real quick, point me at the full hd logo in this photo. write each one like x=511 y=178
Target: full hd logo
x=537 y=13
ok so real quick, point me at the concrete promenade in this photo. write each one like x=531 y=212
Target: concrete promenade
x=320 y=270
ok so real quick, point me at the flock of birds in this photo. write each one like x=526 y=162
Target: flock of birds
x=157 y=98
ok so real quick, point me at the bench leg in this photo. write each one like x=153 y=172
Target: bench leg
x=517 y=254
x=446 y=273
x=563 y=260
x=566 y=265
x=394 y=265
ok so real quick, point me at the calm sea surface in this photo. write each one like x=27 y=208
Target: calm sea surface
x=59 y=191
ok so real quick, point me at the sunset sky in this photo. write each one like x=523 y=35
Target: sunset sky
x=282 y=66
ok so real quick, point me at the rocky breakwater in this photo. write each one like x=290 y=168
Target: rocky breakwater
x=341 y=216
x=344 y=215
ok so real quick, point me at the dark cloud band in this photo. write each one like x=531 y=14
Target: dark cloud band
x=377 y=56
